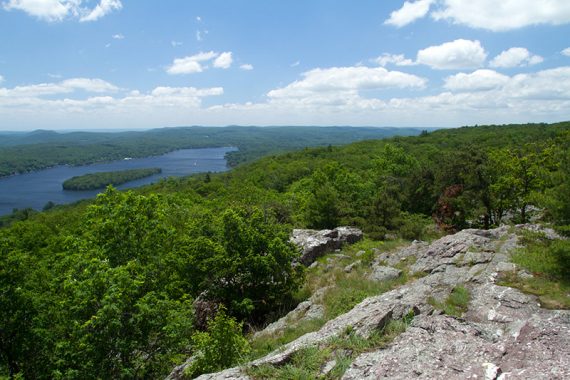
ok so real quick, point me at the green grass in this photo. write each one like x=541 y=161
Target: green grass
x=549 y=262
x=352 y=289
x=309 y=362
x=346 y=291
x=455 y=304
x=265 y=344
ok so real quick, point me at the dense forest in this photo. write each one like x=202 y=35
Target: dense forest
x=93 y=181
x=24 y=152
x=109 y=288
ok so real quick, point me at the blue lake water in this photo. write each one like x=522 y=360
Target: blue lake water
x=37 y=188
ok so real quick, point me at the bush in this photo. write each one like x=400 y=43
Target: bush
x=413 y=226
x=221 y=346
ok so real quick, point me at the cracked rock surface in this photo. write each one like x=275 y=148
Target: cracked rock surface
x=503 y=335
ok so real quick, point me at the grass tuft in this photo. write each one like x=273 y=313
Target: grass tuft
x=549 y=262
x=455 y=304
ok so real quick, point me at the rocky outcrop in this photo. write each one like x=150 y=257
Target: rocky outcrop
x=310 y=309
x=383 y=273
x=504 y=334
x=314 y=244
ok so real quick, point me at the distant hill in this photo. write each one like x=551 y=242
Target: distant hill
x=23 y=152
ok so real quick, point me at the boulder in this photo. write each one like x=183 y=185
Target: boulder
x=314 y=244
x=383 y=273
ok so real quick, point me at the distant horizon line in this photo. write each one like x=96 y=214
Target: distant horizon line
x=70 y=130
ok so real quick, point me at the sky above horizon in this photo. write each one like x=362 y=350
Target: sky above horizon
x=120 y=64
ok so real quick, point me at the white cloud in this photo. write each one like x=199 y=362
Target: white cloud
x=410 y=12
x=458 y=54
x=198 y=62
x=175 y=43
x=476 y=81
x=331 y=96
x=342 y=85
x=151 y=108
x=198 y=18
x=566 y=52
x=295 y=64
x=118 y=36
x=102 y=9
x=198 y=35
x=396 y=59
x=1 y=79
x=191 y=64
x=48 y=10
x=224 y=60
x=58 y=10
x=503 y=15
x=514 y=57
x=246 y=67
x=91 y=85
x=63 y=87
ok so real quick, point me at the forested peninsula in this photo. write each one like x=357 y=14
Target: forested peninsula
x=93 y=181
x=116 y=287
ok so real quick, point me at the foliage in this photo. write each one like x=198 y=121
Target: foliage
x=100 y=180
x=221 y=346
x=104 y=288
x=20 y=153
x=111 y=296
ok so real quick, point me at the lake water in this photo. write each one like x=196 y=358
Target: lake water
x=37 y=188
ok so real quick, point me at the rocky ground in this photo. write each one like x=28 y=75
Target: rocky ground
x=502 y=334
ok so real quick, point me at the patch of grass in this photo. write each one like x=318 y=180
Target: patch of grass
x=547 y=258
x=551 y=294
x=309 y=362
x=549 y=262
x=352 y=289
x=346 y=291
x=268 y=343
x=455 y=304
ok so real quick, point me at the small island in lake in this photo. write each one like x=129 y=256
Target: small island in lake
x=100 y=180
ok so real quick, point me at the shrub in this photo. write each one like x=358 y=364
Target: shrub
x=221 y=346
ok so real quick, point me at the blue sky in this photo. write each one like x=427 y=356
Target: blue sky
x=79 y=64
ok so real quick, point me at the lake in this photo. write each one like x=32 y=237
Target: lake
x=37 y=188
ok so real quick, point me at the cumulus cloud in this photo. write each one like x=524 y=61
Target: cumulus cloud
x=198 y=62
x=566 y=52
x=191 y=64
x=329 y=96
x=102 y=9
x=342 y=85
x=410 y=12
x=224 y=60
x=56 y=103
x=485 y=14
x=476 y=81
x=515 y=57
x=396 y=59
x=458 y=54
x=58 y=10
x=503 y=15
x=246 y=67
